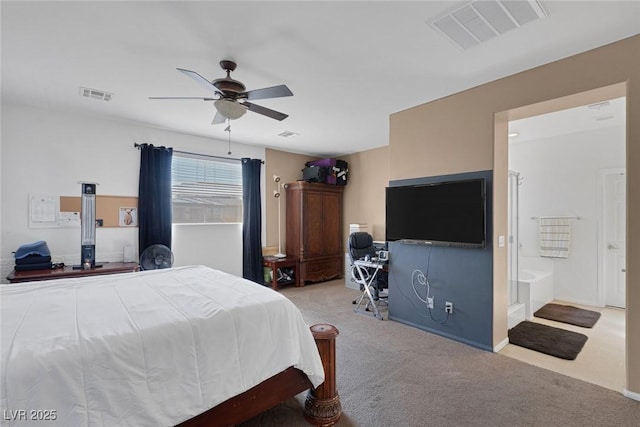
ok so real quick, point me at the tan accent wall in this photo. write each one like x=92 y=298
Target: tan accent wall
x=459 y=134
x=500 y=216
x=363 y=195
x=289 y=167
x=365 y=192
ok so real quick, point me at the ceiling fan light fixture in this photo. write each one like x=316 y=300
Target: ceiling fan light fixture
x=232 y=102
x=230 y=109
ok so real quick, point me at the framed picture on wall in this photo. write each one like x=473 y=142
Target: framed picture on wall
x=128 y=217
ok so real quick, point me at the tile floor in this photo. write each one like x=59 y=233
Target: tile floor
x=601 y=361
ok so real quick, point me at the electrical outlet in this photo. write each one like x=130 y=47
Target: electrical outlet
x=430 y=302
x=448 y=307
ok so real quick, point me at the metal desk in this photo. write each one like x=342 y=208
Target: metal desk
x=365 y=303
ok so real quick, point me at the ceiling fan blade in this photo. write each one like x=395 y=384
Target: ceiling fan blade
x=183 y=97
x=265 y=111
x=199 y=79
x=268 y=92
x=218 y=119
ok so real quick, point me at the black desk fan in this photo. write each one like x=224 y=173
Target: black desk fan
x=156 y=257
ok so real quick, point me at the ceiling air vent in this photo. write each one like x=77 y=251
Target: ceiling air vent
x=95 y=94
x=601 y=108
x=599 y=105
x=288 y=134
x=478 y=21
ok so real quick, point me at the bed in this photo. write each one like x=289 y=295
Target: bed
x=163 y=347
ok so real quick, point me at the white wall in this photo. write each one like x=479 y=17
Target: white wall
x=48 y=152
x=561 y=178
x=217 y=245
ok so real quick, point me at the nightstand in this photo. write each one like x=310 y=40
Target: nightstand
x=276 y=264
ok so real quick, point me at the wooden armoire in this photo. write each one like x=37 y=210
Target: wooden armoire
x=314 y=230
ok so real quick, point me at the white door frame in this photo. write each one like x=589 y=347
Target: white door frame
x=602 y=174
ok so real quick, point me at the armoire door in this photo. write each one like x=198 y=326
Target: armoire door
x=332 y=224
x=312 y=227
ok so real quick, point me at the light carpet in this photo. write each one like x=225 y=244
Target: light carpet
x=390 y=374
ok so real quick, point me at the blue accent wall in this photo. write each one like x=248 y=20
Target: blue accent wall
x=463 y=276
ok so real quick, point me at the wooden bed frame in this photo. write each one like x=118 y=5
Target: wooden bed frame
x=322 y=407
x=254 y=401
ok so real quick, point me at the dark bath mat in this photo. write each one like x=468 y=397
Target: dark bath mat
x=568 y=314
x=547 y=339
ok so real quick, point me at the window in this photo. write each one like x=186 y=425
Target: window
x=205 y=190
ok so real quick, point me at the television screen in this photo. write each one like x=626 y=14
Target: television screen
x=444 y=213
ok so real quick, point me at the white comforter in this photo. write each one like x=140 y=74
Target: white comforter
x=152 y=348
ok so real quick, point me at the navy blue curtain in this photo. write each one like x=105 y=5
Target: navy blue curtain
x=154 y=196
x=251 y=221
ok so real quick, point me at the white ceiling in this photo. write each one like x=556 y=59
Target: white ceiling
x=349 y=64
x=607 y=114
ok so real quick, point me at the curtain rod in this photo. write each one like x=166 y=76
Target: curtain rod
x=136 y=145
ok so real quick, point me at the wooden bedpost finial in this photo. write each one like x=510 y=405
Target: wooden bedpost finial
x=322 y=406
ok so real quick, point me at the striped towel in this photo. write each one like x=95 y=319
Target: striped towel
x=555 y=237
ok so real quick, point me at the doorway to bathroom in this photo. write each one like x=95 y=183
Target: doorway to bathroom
x=564 y=165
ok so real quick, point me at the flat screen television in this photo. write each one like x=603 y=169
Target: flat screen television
x=451 y=213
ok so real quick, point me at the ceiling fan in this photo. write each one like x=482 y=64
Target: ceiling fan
x=231 y=97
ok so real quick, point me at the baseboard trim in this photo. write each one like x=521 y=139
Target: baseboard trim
x=631 y=394
x=442 y=334
x=501 y=345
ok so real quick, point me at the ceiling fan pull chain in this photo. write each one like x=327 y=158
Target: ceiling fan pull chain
x=228 y=129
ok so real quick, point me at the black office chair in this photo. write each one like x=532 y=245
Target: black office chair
x=361 y=246
x=367 y=271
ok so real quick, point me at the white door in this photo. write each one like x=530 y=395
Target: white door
x=614 y=239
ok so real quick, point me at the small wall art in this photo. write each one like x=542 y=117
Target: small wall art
x=128 y=217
